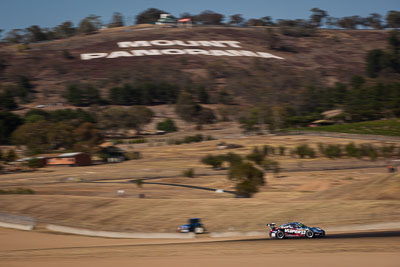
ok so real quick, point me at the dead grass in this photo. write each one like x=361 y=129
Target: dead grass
x=74 y=196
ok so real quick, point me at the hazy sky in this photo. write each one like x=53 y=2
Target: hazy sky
x=49 y=13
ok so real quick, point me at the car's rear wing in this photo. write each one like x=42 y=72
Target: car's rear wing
x=271 y=225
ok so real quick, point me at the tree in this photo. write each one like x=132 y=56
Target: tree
x=87 y=137
x=186 y=108
x=394 y=42
x=125 y=119
x=3 y=63
x=74 y=95
x=167 y=125
x=256 y=155
x=11 y=156
x=267 y=21
x=331 y=22
x=374 y=20
x=317 y=17
x=138 y=117
x=349 y=22
x=90 y=24
x=15 y=36
x=149 y=16
x=209 y=17
x=60 y=135
x=393 y=19
x=203 y=96
x=34 y=136
x=82 y=95
x=248 y=178
x=35 y=34
x=272 y=39
x=65 y=30
x=117 y=20
x=214 y=161
x=304 y=150
x=24 y=88
x=236 y=19
x=8 y=123
x=205 y=116
x=7 y=101
x=255 y=22
x=374 y=62
x=252 y=121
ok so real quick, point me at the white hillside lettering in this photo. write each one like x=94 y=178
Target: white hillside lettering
x=173 y=51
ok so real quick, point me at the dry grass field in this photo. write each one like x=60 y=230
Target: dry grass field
x=357 y=192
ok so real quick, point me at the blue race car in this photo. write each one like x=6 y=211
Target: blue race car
x=194 y=225
x=294 y=229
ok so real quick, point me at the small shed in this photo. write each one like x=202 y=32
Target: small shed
x=71 y=159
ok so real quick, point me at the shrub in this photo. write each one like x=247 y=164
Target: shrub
x=352 y=150
x=193 y=138
x=298 y=31
x=304 y=150
x=35 y=163
x=256 y=155
x=333 y=151
x=387 y=150
x=282 y=150
x=214 y=161
x=167 y=125
x=188 y=173
x=368 y=150
x=11 y=156
x=232 y=158
x=139 y=182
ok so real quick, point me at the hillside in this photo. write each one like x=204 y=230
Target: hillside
x=381 y=188
x=327 y=57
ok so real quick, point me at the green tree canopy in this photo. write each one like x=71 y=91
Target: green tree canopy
x=117 y=20
x=150 y=15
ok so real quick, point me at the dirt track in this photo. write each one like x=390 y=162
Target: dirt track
x=43 y=249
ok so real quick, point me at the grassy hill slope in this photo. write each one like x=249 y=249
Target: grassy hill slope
x=327 y=57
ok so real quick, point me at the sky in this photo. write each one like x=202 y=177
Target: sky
x=20 y=14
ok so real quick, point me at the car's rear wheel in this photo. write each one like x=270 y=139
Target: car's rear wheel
x=199 y=230
x=280 y=235
x=310 y=234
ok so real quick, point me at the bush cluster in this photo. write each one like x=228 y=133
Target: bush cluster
x=168 y=125
x=188 y=173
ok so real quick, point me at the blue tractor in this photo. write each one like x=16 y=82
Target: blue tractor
x=194 y=225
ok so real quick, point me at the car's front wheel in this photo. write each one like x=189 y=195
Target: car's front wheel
x=310 y=234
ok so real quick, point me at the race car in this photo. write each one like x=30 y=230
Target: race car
x=194 y=225
x=294 y=229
